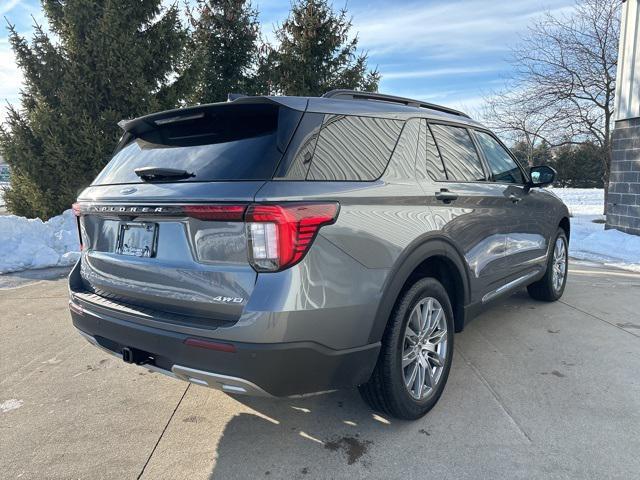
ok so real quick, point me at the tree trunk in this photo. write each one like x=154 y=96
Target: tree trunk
x=605 y=177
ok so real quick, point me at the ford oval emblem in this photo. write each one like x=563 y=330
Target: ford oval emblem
x=128 y=190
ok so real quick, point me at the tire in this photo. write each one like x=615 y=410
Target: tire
x=548 y=289
x=387 y=390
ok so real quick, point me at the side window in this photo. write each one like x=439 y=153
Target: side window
x=503 y=167
x=459 y=154
x=353 y=148
x=435 y=167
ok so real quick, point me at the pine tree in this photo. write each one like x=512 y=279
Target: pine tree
x=522 y=151
x=540 y=154
x=315 y=53
x=111 y=59
x=224 y=48
x=579 y=166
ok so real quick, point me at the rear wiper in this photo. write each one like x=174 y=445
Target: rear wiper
x=157 y=174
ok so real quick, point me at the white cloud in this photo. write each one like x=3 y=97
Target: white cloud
x=7 y=6
x=454 y=27
x=438 y=72
x=458 y=99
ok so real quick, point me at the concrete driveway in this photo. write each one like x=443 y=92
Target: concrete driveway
x=536 y=391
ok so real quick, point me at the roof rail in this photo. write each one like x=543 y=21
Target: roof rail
x=409 y=102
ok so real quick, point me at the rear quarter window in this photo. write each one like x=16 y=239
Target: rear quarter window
x=352 y=148
x=435 y=167
x=461 y=160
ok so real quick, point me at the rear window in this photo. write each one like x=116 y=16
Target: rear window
x=352 y=148
x=226 y=142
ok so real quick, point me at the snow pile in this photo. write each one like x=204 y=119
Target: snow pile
x=26 y=243
x=589 y=240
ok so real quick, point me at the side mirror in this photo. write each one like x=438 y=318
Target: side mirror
x=541 y=176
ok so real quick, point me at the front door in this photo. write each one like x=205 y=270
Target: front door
x=529 y=235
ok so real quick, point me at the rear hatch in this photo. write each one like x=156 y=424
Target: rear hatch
x=161 y=225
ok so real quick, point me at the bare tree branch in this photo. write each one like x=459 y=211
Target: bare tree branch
x=562 y=89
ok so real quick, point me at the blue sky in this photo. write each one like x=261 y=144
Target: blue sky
x=451 y=52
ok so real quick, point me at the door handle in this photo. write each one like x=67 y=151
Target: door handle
x=514 y=198
x=446 y=196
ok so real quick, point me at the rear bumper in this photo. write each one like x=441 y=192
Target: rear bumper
x=270 y=369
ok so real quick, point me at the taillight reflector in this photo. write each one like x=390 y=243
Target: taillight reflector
x=215 y=212
x=280 y=235
x=210 y=345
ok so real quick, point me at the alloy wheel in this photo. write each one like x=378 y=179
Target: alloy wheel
x=559 y=264
x=424 y=349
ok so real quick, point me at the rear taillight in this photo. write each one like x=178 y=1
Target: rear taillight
x=280 y=235
x=77 y=212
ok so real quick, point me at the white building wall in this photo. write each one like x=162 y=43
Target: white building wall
x=628 y=75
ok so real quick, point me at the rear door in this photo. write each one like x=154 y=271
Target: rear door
x=176 y=243
x=472 y=212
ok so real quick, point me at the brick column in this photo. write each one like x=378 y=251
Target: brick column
x=623 y=204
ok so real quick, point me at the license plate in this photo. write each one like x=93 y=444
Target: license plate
x=137 y=239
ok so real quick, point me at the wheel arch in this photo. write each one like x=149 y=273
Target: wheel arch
x=565 y=225
x=436 y=257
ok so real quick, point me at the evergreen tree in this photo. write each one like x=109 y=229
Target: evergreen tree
x=542 y=154
x=579 y=166
x=111 y=59
x=224 y=49
x=521 y=150
x=538 y=155
x=315 y=54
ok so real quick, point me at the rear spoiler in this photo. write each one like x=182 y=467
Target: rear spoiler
x=146 y=123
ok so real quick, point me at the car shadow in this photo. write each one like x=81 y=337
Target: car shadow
x=291 y=438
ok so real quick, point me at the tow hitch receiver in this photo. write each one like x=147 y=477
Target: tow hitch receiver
x=133 y=355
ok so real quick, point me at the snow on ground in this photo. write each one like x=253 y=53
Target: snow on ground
x=32 y=243
x=582 y=201
x=589 y=240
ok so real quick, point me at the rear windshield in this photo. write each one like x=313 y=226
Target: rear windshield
x=224 y=143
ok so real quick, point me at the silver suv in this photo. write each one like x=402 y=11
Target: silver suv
x=289 y=245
